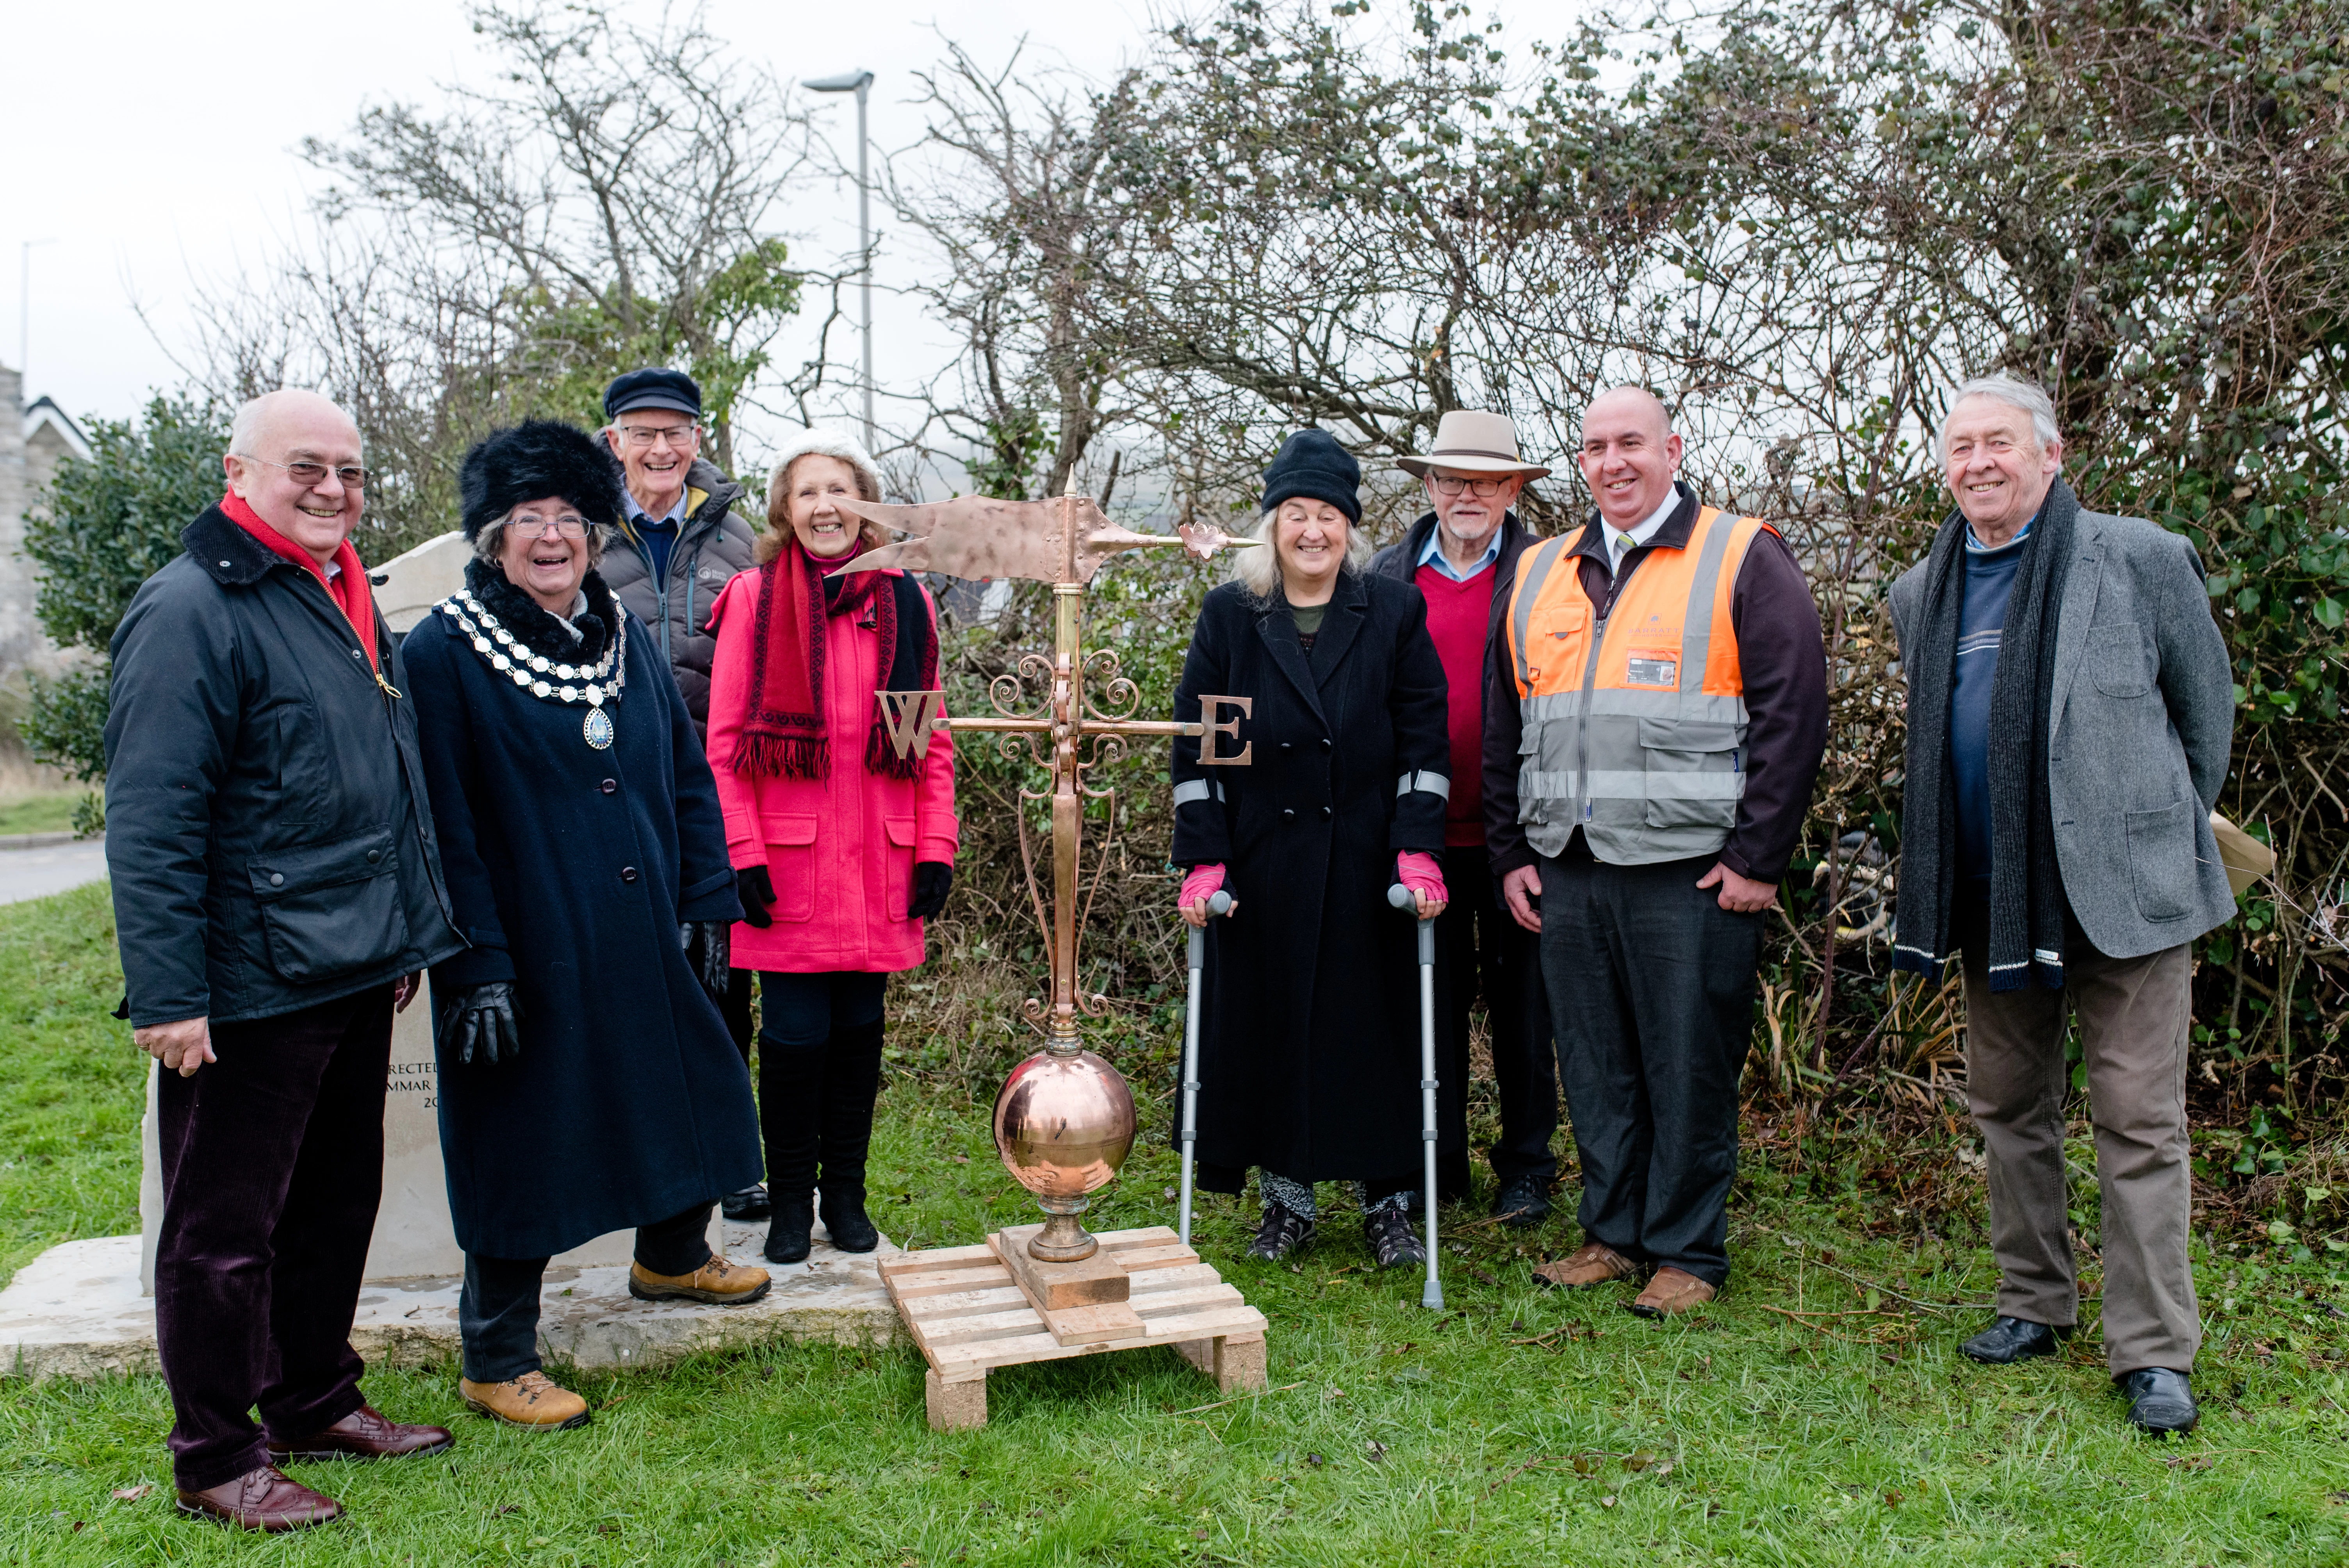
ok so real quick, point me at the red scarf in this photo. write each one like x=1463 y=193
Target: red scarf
x=347 y=588
x=784 y=734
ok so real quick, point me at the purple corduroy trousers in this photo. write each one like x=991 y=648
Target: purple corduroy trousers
x=272 y=1165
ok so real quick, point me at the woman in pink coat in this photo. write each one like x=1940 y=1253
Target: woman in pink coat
x=841 y=847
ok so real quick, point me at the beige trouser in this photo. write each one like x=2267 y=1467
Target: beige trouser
x=2133 y=1016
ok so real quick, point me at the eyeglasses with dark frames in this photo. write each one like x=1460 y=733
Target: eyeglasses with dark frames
x=1453 y=484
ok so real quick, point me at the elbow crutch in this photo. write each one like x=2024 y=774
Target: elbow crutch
x=1400 y=896
x=1217 y=903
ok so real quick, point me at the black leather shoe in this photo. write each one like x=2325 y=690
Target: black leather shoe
x=750 y=1203
x=1524 y=1203
x=845 y=1222
x=1285 y=1234
x=2160 y=1402
x=2014 y=1339
x=787 y=1232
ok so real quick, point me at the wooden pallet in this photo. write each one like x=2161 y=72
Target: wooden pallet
x=970 y=1314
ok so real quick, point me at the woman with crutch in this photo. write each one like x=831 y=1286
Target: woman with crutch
x=1309 y=1055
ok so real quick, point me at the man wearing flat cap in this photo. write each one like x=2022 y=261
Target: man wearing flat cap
x=1463 y=558
x=680 y=542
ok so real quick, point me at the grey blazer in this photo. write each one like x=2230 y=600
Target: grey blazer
x=2145 y=716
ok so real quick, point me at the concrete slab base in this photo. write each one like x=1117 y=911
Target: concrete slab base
x=76 y=1312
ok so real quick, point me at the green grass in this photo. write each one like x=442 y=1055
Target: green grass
x=49 y=812
x=1390 y=1434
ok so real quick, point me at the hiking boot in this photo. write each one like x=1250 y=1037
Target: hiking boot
x=532 y=1400
x=718 y=1281
x=1595 y=1263
x=1387 y=1230
x=1284 y=1233
x=1671 y=1292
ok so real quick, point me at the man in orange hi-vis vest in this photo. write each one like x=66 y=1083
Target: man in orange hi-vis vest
x=1655 y=713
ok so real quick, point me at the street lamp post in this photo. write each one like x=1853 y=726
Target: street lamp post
x=861 y=84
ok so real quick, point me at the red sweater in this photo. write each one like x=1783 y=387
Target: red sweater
x=1458 y=614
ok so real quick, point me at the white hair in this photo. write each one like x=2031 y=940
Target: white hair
x=1259 y=571
x=2015 y=392
x=820 y=442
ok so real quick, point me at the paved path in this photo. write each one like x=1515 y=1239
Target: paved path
x=53 y=868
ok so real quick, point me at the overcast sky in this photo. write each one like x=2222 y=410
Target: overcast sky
x=157 y=146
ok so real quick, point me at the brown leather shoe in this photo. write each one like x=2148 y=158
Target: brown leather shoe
x=267 y=1498
x=1596 y=1263
x=718 y=1282
x=532 y=1400
x=365 y=1434
x=1671 y=1292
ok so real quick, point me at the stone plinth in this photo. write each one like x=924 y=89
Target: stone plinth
x=413 y=1235
x=78 y=1311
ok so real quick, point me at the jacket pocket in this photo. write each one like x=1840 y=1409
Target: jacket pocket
x=791 y=865
x=2118 y=660
x=1695 y=773
x=897 y=877
x=331 y=910
x=2161 y=860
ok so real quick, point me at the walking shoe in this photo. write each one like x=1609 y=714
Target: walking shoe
x=1387 y=1230
x=532 y=1400
x=2014 y=1339
x=844 y=1221
x=1284 y=1233
x=1595 y=1263
x=718 y=1281
x=788 y=1231
x=1524 y=1203
x=750 y=1204
x=266 y=1500
x=364 y=1434
x=2160 y=1401
x=1671 y=1292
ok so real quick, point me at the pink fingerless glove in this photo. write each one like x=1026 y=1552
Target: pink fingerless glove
x=1421 y=874
x=1201 y=884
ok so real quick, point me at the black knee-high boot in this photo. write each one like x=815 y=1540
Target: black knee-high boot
x=852 y=1080
x=790 y=1099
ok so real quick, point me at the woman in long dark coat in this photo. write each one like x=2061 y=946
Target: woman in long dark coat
x=587 y=1083
x=1308 y=1049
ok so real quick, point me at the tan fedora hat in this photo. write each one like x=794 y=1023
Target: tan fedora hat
x=1468 y=442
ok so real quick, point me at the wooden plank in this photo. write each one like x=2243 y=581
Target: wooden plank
x=1053 y=1287
x=1153 y=1282
x=947 y=1284
x=1165 y=1304
x=961 y=1360
x=1022 y=1320
x=1109 y=1321
x=960 y=1302
x=1141 y=1236
x=930 y=1258
x=1144 y=1260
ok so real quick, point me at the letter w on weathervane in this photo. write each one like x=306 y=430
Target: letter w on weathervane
x=908 y=717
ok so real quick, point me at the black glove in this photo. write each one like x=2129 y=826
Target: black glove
x=933 y=880
x=485 y=1017
x=705 y=943
x=757 y=891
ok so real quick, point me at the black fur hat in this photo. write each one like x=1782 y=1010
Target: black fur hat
x=536 y=458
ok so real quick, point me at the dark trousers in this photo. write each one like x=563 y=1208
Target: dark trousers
x=497 y=1310
x=735 y=1008
x=1651 y=992
x=1480 y=951
x=273 y=1163
x=819 y=1073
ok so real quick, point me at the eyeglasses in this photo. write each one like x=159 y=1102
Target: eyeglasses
x=533 y=526
x=676 y=435
x=310 y=475
x=1453 y=484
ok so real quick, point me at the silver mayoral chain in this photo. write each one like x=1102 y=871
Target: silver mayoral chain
x=590 y=684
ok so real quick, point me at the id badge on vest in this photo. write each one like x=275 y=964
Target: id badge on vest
x=1658 y=668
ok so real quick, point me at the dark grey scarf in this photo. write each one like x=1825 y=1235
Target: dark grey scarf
x=2026 y=887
